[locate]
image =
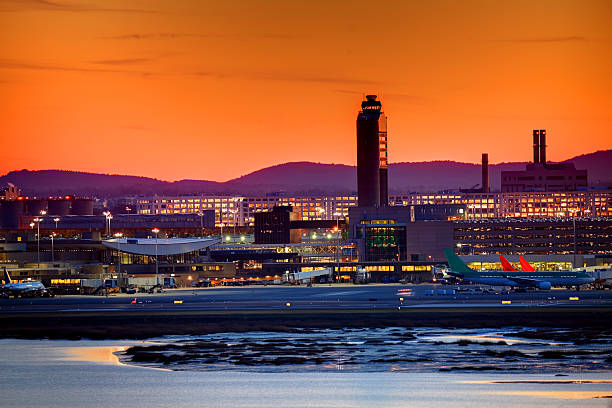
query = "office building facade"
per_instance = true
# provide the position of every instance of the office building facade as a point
(478, 205)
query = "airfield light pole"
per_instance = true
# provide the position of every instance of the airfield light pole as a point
(573, 212)
(574, 222)
(37, 220)
(320, 211)
(337, 215)
(106, 214)
(156, 232)
(234, 212)
(56, 220)
(118, 235)
(221, 222)
(201, 214)
(52, 250)
(109, 217)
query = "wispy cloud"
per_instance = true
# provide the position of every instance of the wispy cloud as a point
(573, 38)
(35, 5)
(9, 64)
(414, 99)
(116, 66)
(307, 78)
(146, 36)
(18, 65)
(124, 61)
(283, 76)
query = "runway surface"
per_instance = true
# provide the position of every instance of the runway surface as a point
(336, 297)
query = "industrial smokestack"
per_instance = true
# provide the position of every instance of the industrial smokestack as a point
(485, 172)
(536, 146)
(543, 146)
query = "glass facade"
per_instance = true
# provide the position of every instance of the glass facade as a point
(534, 236)
(385, 242)
(238, 210)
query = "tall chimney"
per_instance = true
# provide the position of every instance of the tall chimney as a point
(543, 146)
(485, 172)
(536, 146)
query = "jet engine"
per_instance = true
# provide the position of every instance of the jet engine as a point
(544, 285)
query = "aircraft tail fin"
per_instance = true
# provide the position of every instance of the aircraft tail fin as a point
(7, 277)
(456, 264)
(525, 265)
(506, 266)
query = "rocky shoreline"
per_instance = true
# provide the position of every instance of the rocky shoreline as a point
(384, 349)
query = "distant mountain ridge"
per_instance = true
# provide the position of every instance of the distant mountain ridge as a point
(292, 178)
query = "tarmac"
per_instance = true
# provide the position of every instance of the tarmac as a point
(289, 308)
(318, 297)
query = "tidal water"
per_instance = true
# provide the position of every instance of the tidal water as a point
(523, 350)
(523, 367)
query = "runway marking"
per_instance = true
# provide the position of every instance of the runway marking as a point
(89, 310)
(345, 293)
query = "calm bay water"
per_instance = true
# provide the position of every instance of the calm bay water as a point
(50, 373)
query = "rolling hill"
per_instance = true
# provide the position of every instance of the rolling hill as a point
(293, 178)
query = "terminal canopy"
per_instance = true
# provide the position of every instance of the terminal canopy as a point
(165, 246)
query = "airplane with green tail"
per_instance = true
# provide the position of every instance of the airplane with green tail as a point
(537, 279)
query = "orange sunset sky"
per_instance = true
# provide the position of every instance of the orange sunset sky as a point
(177, 89)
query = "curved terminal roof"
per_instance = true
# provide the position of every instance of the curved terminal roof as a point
(165, 246)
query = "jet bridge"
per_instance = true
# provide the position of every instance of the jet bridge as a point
(297, 277)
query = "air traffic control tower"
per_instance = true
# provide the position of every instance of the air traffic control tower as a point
(372, 184)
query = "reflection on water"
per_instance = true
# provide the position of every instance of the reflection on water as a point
(82, 374)
(95, 354)
(559, 395)
(552, 382)
(375, 350)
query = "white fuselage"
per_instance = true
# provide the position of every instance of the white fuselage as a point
(495, 278)
(23, 288)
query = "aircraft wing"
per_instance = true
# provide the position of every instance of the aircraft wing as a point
(525, 281)
(28, 289)
(531, 283)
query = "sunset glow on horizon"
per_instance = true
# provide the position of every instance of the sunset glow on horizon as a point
(215, 90)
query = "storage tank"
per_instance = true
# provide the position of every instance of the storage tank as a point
(11, 211)
(35, 206)
(82, 206)
(59, 207)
